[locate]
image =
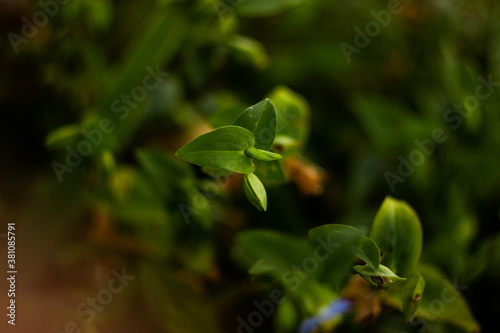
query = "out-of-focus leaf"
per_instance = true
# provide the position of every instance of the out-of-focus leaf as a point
(260, 119)
(63, 136)
(383, 277)
(442, 301)
(485, 260)
(223, 148)
(413, 290)
(255, 191)
(369, 252)
(108, 161)
(276, 250)
(397, 231)
(293, 111)
(265, 8)
(287, 316)
(225, 115)
(337, 230)
(228, 108)
(249, 50)
(339, 247)
(260, 267)
(314, 297)
(270, 172)
(407, 296)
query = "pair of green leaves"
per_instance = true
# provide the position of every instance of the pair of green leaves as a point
(396, 234)
(397, 230)
(419, 290)
(235, 148)
(376, 274)
(353, 244)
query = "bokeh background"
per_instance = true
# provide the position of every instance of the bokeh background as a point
(131, 204)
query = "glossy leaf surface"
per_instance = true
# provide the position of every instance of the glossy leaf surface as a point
(223, 148)
(255, 191)
(260, 119)
(397, 231)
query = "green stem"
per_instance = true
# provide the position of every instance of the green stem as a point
(261, 155)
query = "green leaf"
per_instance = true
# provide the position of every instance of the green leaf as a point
(340, 243)
(107, 161)
(314, 297)
(383, 277)
(63, 136)
(260, 119)
(397, 231)
(262, 155)
(223, 148)
(369, 252)
(442, 301)
(294, 115)
(413, 290)
(278, 250)
(287, 315)
(270, 172)
(255, 191)
(249, 51)
(265, 7)
(225, 114)
(262, 272)
(260, 267)
(338, 229)
(406, 296)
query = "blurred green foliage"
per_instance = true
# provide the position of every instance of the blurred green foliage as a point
(98, 97)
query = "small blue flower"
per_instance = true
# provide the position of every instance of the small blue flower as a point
(332, 311)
